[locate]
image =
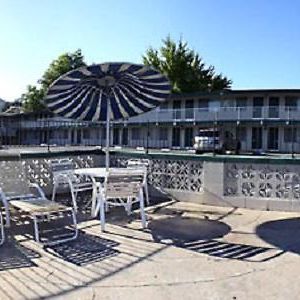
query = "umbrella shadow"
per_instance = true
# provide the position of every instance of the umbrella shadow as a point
(201, 236)
(281, 234)
(14, 255)
(86, 249)
(178, 230)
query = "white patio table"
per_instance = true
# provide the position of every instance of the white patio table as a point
(98, 176)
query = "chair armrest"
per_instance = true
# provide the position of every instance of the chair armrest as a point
(39, 189)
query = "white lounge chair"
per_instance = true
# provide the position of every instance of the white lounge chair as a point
(121, 188)
(63, 174)
(29, 198)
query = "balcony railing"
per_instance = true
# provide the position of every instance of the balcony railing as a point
(246, 113)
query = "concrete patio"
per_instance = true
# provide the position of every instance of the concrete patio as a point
(189, 251)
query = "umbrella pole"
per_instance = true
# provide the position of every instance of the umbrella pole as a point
(107, 135)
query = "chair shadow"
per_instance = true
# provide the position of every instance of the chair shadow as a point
(282, 234)
(86, 249)
(200, 235)
(14, 255)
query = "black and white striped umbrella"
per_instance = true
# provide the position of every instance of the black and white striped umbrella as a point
(129, 89)
(108, 91)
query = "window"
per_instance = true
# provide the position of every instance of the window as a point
(241, 102)
(291, 103)
(203, 103)
(189, 109)
(214, 105)
(177, 104)
(163, 134)
(164, 105)
(228, 104)
(136, 133)
(290, 135)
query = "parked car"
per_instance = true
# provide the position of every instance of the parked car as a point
(207, 140)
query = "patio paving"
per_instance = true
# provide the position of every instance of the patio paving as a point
(189, 251)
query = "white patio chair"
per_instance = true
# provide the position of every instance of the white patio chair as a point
(141, 164)
(63, 174)
(16, 193)
(121, 188)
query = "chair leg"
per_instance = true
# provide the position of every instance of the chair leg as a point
(72, 195)
(94, 200)
(54, 191)
(142, 209)
(2, 239)
(106, 207)
(4, 201)
(146, 193)
(36, 229)
(7, 216)
(102, 213)
(59, 241)
(128, 206)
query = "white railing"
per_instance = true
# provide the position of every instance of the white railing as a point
(218, 114)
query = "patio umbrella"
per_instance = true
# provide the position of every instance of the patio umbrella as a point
(105, 92)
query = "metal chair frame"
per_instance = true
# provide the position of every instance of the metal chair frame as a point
(141, 164)
(121, 188)
(36, 205)
(63, 174)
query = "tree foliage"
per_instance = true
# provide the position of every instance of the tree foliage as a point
(32, 99)
(64, 63)
(184, 68)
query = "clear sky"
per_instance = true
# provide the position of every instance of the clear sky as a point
(256, 43)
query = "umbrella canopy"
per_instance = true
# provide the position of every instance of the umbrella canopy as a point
(108, 91)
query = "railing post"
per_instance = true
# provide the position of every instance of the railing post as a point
(214, 139)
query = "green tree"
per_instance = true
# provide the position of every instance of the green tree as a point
(184, 68)
(64, 63)
(32, 99)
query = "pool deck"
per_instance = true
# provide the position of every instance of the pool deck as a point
(189, 251)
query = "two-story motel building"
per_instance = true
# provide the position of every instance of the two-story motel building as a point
(267, 120)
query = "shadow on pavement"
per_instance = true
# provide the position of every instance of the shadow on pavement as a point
(179, 230)
(84, 250)
(200, 235)
(14, 255)
(283, 234)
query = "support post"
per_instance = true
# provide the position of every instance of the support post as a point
(107, 135)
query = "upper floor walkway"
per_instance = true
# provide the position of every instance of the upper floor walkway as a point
(247, 113)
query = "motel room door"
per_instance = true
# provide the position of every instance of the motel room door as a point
(256, 138)
(176, 137)
(188, 137)
(273, 138)
(258, 103)
(125, 136)
(116, 136)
